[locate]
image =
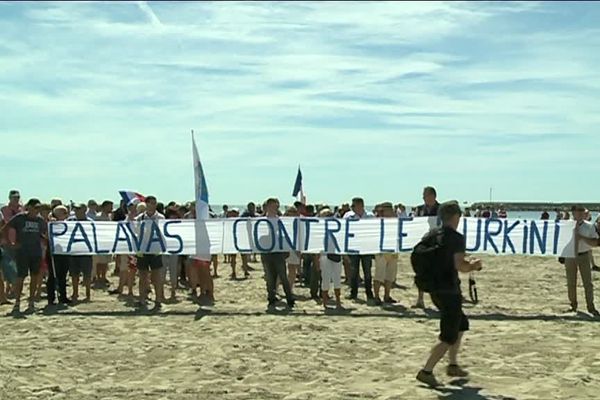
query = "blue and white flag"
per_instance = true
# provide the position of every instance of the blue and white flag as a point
(202, 214)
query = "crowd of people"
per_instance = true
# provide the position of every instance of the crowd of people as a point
(25, 252)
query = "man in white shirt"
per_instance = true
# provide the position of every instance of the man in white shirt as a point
(101, 261)
(92, 209)
(581, 260)
(359, 212)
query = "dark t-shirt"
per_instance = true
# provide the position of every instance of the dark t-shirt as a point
(119, 214)
(29, 234)
(424, 211)
(248, 214)
(447, 277)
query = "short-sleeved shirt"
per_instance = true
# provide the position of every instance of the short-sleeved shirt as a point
(7, 214)
(424, 211)
(102, 217)
(29, 232)
(447, 280)
(155, 217)
(354, 215)
(587, 230)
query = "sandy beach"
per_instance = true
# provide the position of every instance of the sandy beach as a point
(522, 345)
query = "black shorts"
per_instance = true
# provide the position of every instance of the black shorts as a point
(452, 319)
(149, 262)
(81, 265)
(26, 263)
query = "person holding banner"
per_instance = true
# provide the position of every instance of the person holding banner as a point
(59, 267)
(30, 230)
(330, 265)
(150, 264)
(581, 260)
(386, 264)
(293, 261)
(274, 262)
(446, 295)
(359, 212)
(81, 264)
(101, 262)
(428, 209)
(127, 263)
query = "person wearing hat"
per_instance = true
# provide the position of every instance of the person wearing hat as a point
(581, 261)
(450, 260)
(30, 230)
(81, 264)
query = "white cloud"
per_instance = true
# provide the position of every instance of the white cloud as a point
(274, 84)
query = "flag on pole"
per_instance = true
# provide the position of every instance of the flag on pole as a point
(202, 214)
(298, 191)
(131, 197)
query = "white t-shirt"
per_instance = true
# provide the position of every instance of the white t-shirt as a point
(354, 215)
(155, 217)
(588, 230)
(102, 217)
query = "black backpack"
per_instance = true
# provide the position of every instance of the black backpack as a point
(425, 258)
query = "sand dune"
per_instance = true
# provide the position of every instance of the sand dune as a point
(522, 345)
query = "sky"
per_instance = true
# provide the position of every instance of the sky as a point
(372, 99)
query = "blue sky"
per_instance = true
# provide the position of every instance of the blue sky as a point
(372, 99)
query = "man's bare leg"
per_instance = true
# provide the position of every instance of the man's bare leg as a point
(387, 291)
(159, 287)
(453, 351)
(143, 286)
(325, 294)
(87, 282)
(215, 262)
(33, 289)
(233, 262)
(292, 271)
(338, 301)
(3, 298)
(420, 302)
(18, 290)
(194, 282)
(75, 283)
(437, 352)
(376, 288)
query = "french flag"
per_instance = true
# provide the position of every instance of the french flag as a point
(298, 191)
(130, 197)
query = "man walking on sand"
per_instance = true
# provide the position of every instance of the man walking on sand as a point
(450, 258)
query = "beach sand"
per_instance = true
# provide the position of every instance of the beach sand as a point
(522, 345)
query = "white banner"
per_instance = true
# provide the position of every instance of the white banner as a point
(308, 235)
